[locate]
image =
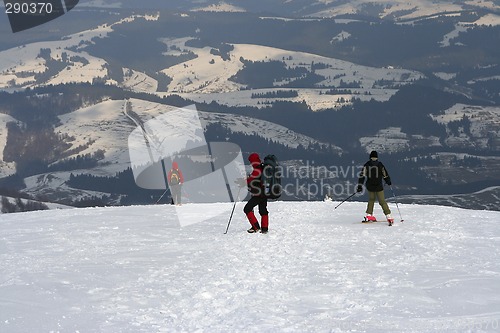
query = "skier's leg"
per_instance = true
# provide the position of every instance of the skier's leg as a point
(175, 194)
(264, 214)
(383, 203)
(248, 210)
(179, 195)
(371, 202)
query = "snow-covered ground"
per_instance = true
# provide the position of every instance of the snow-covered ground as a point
(19, 65)
(220, 7)
(101, 126)
(400, 9)
(484, 124)
(210, 74)
(392, 139)
(133, 269)
(114, 128)
(106, 127)
(487, 198)
(489, 19)
(316, 99)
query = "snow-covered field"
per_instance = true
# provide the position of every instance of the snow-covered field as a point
(402, 10)
(16, 63)
(114, 128)
(133, 269)
(207, 77)
(398, 9)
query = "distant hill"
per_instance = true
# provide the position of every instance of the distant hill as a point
(318, 83)
(387, 9)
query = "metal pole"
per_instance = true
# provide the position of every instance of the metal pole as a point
(162, 195)
(232, 212)
(346, 200)
(396, 200)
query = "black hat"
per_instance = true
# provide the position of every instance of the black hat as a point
(373, 154)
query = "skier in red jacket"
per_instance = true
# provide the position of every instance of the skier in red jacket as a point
(175, 180)
(258, 198)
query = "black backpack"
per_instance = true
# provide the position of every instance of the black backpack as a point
(271, 177)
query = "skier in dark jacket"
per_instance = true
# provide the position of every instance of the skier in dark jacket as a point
(175, 180)
(375, 172)
(257, 197)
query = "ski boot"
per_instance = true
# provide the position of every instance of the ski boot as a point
(255, 228)
(390, 219)
(370, 218)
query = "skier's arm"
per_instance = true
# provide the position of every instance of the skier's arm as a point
(253, 181)
(386, 176)
(254, 175)
(362, 176)
(361, 180)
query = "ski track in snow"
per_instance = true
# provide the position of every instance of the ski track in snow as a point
(133, 269)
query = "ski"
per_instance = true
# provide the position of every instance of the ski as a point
(367, 222)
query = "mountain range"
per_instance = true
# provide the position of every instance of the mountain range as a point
(318, 83)
(387, 9)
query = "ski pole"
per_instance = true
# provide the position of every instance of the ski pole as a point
(396, 200)
(345, 200)
(161, 196)
(234, 206)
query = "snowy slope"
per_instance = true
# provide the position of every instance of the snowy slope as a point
(132, 269)
(206, 77)
(20, 65)
(387, 9)
(106, 127)
(101, 126)
(487, 198)
(48, 205)
(484, 124)
(220, 7)
(392, 139)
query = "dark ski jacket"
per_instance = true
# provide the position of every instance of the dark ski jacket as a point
(374, 172)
